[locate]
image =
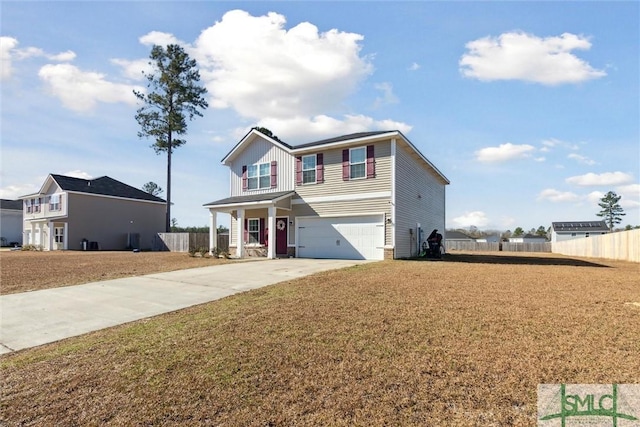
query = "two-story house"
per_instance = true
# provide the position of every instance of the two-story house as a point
(369, 195)
(100, 213)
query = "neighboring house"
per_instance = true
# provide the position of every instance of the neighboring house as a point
(369, 195)
(489, 239)
(528, 238)
(575, 229)
(457, 236)
(11, 222)
(102, 212)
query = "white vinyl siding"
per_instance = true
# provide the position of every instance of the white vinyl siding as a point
(420, 198)
(333, 182)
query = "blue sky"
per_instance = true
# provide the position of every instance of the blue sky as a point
(531, 109)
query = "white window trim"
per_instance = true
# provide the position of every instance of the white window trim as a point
(364, 162)
(315, 168)
(58, 233)
(249, 242)
(258, 176)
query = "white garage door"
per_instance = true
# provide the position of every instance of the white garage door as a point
(359, 237)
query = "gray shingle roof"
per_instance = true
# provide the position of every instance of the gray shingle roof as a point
(252, 198)
(582, 226)
(104, 186)
(341, 138)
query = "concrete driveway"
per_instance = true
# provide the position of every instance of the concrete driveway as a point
(34, 318)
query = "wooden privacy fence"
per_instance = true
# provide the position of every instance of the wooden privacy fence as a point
(471, 246)
(185, 242)
(495, 247)
(623, 245)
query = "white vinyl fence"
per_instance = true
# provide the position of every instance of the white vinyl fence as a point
(623, 245)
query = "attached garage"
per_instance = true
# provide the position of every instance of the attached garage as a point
(347, 237)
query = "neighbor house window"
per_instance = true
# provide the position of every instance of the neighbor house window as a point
(54, 202)
(253, 228)
(58, 234)
(357, 162)
(259, 176)
(28, 205)
(36, 205)
(309, 169)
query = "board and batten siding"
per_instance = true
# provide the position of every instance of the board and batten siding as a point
(262, 151)
(420, 198)
(336, 197)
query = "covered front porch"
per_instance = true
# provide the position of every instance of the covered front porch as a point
(260, 224)
(48, 235)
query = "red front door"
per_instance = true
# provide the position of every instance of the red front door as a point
(282, 225)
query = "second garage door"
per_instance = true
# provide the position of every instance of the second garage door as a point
(360, 237)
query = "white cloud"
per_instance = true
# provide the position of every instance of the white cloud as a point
(303, 129)
(266, 72)
(81, 90)
(558, 196)
(133, 69)
(581, 159)
(521, 56)
(603, 179)
(63, 56)
(159, 38)
(475, 218)
(9, 52)
(7, 44)
(414, 67)
(388, 97)
(503, 153)
(594, 197)
(78, 174)
(12, 192)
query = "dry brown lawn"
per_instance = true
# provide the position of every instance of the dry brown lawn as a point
(462, 342)
(27, 271)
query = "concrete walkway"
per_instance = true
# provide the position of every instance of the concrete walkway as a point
(34, 318)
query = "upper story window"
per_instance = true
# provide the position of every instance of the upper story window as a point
(36, 204)
(358, 163)
(259, 176)
(309, 169)
(54, 203)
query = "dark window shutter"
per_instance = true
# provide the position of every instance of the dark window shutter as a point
(263, 232)
(246, 230)
(345, 165)
(371, 162)
(299, 170)
(319, 167)
(274, 174)
(244, 180)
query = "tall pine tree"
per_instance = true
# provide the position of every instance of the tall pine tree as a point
(611, 212)
(174, 94)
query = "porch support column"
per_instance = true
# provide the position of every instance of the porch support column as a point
(240, 236)
(51, 236)
(65, 237)
(213, 231)
(271, 252)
